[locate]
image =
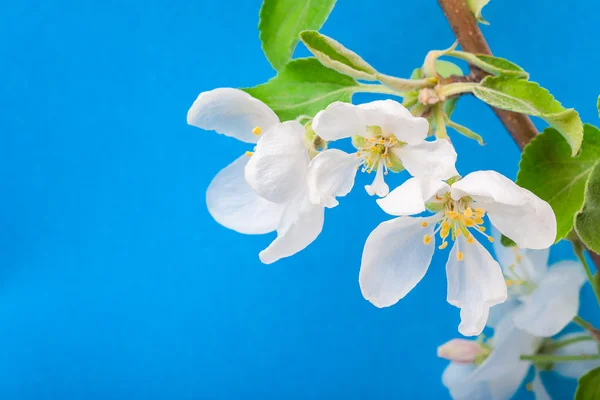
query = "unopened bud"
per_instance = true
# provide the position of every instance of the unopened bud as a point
(461, 351)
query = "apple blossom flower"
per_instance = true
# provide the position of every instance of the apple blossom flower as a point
(398, 252)
(229, 199)
(500, 373)
(387, 137)
(253, 194)
(544, 299)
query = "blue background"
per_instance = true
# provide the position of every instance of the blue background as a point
(115, 283)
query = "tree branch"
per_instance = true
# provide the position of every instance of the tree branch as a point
(465, 28)
(471, 39)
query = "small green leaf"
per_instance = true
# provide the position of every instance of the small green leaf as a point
(304, 87)
(548, 170)
(446, 69)
(589, 386)
(491, 64)
(476, 6)
(507, 242)
(282, 20)
(587, 221)
(334, 55)
(513, 94)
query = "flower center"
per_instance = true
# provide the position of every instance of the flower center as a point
(517, 277)
(457, 218)
(375, 150)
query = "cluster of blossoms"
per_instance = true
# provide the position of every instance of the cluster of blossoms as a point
(286, 183)
(541, 302)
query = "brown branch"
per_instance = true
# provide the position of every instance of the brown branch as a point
(465, 28)
(471, 39)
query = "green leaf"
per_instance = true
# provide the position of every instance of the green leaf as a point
(304, 87)
(463, 130)
(476, 6)
(589, 386)
(491, 64)
(507, 242)
(509, 93)
(548, 170)
(334, 55)
(282, 20)
(446, 69)
(587, 221)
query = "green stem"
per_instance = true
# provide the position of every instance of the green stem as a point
(381, 89)
(579, 251)
(581, 322)
(562, 343)
(549, 358)
(457, 88)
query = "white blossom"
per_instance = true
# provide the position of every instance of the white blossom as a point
(387, 136)
(398, 252)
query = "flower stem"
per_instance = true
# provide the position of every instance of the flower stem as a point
(581, 322)
(381, 89)
(561, 343)
(579, 251)
(550, 358)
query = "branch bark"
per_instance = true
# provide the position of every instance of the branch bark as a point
(465, 28)
(471, 39)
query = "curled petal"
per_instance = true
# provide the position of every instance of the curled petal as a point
(410, 197)
(378, 187)
(231, 112)
(301, 224)
(339, 120)
(433, 160)
(516, 212)
(554, 303)
(277, 169)
(475, 283)
(575, 369)
(233, 204)
(394, 119)
(330, 175)
(395, 259)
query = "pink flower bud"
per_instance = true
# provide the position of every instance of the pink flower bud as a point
(461, 351)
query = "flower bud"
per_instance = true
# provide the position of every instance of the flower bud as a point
(461, 351)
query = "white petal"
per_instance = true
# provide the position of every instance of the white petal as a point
(433, 160)
(575, 369)
(474, 284)
(454, 378)
(499, 311)
(538, 387)
(233, 204)
(410, 197)
(277, 169)
(394, 118)
(330, 175)
(394, 260)
(554, 303)
(504, 386)
(231, 112)
(301, 224)
(339, 120)
(378, 187)
(516, 212)
(527, 264)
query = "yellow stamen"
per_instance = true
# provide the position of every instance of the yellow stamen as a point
(424, 224)
(443, 246)
(249, 153)
(383, 155)
(389, 163)
(491, 239)
(470, 240)
(478, 220)
(469, 222)
(257, 130)
(510, 282)
(468, 212)
(481, 229)
(479, 212)
(453, 215)
(427, 239)
(460, 255)
(444, 232)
